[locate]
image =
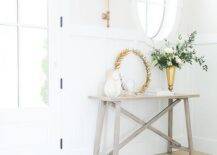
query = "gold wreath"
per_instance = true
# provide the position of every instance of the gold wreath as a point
(138, 53)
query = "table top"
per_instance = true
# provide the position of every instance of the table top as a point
(145, 96)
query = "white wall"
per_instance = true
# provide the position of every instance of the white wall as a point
(200, 15)
(88, 50)
(87, 42)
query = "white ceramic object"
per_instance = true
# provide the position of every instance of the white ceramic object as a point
(112, 88)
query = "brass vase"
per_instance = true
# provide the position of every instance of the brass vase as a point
(170, 71)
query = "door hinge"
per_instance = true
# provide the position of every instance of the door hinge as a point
(61, 21)
(61, 143)
(61, 83)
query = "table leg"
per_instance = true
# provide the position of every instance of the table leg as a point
(117, 128)
(99, 127)
(188, 125)
(170, 126)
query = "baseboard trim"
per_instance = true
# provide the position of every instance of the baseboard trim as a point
(205, 145)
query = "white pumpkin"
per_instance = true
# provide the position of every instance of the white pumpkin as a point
(112, 88)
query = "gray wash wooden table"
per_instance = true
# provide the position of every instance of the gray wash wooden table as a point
(116, 104)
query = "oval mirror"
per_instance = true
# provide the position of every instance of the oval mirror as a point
(134, 70)
(157, 17)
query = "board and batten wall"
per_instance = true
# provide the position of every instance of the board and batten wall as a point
(88, 50)
(200, 15)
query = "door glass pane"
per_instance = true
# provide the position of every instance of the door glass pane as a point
(33, 67)
(8, 67)
(8, 11)
(33, 12)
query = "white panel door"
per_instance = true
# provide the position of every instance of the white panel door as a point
(29, 79)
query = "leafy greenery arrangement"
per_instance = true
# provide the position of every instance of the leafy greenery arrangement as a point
(179, 54)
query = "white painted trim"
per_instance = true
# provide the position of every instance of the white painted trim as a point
(98, 32)
(24, 25)
(205, 145)
(204, 39)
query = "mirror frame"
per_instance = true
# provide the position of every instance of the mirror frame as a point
(138, 53)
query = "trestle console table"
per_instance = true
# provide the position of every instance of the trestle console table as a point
(116, 104)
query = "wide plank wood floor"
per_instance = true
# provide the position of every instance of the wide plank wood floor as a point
(184, 153)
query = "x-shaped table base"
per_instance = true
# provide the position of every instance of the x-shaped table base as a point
(144, 125)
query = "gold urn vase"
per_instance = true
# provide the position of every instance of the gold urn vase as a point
(170, 71)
